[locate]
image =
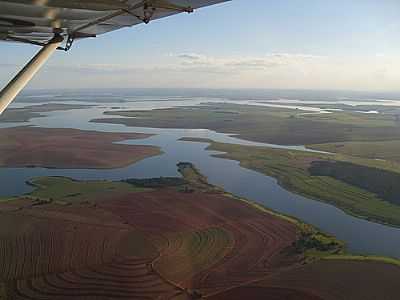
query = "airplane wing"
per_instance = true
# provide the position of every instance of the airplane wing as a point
(36, 21)
(55, 24)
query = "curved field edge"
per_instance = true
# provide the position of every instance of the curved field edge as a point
(295, 179)
(314, 243)
(323, 238)
(364, 258)
(317, 252)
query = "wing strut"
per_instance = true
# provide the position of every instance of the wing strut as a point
(8, 94)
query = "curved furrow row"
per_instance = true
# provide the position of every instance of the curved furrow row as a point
(57, 250)
(256, 249)
(96, 278)
(274, 242)
(195, 252)
(101, 282)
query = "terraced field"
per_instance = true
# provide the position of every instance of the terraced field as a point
(125, 278)
(198, 232)
(191, 253)
(187, 240)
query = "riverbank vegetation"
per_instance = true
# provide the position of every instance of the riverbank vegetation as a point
(292, 170)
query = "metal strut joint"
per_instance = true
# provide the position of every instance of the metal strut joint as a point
(68, 44)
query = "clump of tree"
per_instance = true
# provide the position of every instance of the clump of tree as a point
(317, 242)
(157, 182)
(41, 201)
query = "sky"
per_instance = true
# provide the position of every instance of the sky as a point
(285, 44)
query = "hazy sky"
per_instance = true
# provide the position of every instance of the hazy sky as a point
(313, 44)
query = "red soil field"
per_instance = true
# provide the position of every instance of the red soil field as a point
(260, 293)
(123, 248)
(127, 278)
(259, 239)
(69, 148)
(342, 280)
(168, 244)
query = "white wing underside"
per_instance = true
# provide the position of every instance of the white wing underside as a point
(37, 21)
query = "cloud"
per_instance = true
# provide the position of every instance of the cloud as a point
(191, 56)
(268, 61)
(94, 68)
(256, 63)
(273, 60)
(186, 63)
(119, 69)
(271, 70)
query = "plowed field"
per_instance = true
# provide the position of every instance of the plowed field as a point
(115, 240)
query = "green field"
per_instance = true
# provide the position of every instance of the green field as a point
(382, 150)
(266, 124)
(384, 184)
(291, 168)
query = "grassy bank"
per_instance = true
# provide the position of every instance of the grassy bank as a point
(365, 258)
(316, 244)
(382, 150)
(312, 242)
(291, 169)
